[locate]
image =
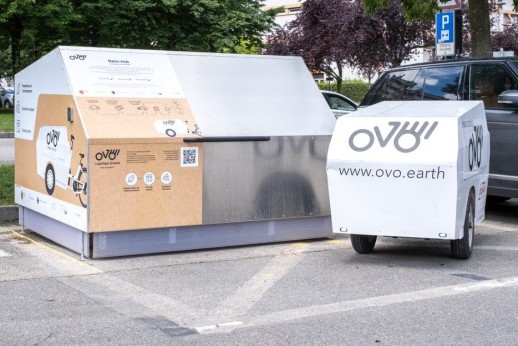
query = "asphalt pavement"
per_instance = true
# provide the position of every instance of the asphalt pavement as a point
(407, 292)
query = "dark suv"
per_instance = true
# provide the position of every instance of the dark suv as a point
(493, 81)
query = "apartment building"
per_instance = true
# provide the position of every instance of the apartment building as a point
(503, 14)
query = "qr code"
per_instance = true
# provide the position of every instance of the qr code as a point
(189, 157)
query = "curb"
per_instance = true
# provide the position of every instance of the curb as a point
(6, 134)
(8, 213)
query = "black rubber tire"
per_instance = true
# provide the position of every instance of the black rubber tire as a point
(462, 248)
(363, 243)
(8, 104)
(82, 196)
(50, 179)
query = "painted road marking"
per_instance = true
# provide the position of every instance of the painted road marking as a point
(62, 263)
(224, 327)
(142, 304)
(117, 294)
(4, 254)
(134, 301)
(245, 297)
(373, 302)
(496, 248)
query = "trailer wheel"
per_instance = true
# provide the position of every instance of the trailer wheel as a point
(363, 243)
(462, 248)
(50, 179)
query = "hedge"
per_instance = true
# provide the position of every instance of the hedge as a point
(6, 185)
(6, 122)
(6, 111)
(353, 89)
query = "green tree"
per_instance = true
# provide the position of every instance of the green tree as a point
(188, 25)
(478, 19)
(29, 28)
(105, 23)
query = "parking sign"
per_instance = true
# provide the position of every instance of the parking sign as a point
(445, 33)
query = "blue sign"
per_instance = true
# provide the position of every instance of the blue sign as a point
(445, 27)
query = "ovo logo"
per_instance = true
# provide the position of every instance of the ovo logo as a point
(110, 154)
(53, 138)
(77, 56)
(405, 139)
(475, 147)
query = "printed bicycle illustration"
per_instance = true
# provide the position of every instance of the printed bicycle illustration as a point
(54, 157)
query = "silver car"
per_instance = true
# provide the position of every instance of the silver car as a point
(6, 97)
(339, 104)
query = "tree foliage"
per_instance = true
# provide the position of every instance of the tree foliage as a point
(30, 28)
(507, 39)
(479, 22)
(330, 34)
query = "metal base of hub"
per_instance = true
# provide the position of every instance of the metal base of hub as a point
(124, 243)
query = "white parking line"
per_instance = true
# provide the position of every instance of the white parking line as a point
(496, 248)
(120, 295)
(380, 301)
(132, 300)
(241, 301)
(4, 254)
(58, 263)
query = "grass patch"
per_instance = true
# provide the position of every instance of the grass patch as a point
(6, 121)
(7, 185)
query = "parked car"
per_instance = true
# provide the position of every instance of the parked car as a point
(7, 97)
(338, 103)
(493, 81)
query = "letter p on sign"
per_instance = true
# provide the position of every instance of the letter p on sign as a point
(445, 21)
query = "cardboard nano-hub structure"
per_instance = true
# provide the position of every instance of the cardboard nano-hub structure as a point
(408, 168)
(122, 152)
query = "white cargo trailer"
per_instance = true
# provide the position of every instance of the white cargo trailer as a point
(410, 169)
(155, 151)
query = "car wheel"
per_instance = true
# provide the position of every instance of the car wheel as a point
(462, 248)
(363, 243)
(50, 179)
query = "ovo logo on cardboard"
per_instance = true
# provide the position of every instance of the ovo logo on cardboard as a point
(404, 139)
(110, 154)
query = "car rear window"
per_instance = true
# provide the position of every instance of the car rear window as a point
(427, 83)
(392, 86)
